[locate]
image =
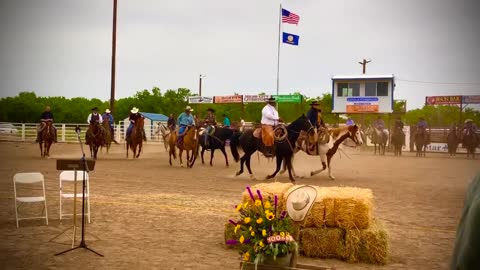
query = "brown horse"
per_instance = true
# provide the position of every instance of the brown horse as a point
(136, 138)
(190, 145)
(171, 141)
(108, 135)
(47, 135)
(95, 137)
(422, 139)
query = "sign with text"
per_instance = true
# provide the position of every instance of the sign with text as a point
(228, 99)
(443, 100)
(255, 98)
(198, 100)
(471, 99)
(362, 105)
(288, 98)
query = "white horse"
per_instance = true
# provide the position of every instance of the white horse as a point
(165, 133)
(327, 145)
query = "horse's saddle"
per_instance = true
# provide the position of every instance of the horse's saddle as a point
(257, 133)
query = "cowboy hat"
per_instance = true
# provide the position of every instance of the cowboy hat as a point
(188, 108)
(300, 201)
(108, 111)
(95, 109)
(314, 103)
(210, 109)
(271, 99)
(134, 110)
(468, 120)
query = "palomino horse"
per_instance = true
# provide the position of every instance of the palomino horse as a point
(398, 140)
(284, 146)
(190, 145)
(108, 135)
(380, 137)
(47, 135)
(95, 137)
(470, 141)
(453, 139)
(422, 139)
(216, 141)
(171, 140)
(165, 133)
(136, 138)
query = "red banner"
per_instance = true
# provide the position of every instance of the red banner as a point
(443, 100)
(228, 99)
(362, 108)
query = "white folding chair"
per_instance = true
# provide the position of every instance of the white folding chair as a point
(29, 178)
(69, 176)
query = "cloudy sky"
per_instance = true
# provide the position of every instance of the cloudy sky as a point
(63, 47)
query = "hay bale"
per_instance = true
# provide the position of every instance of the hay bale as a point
(368, 245)
(269, 190)
(322, 242)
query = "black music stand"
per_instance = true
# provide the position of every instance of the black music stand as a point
(78, 165)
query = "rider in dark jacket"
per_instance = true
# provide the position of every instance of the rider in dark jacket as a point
(47, 115)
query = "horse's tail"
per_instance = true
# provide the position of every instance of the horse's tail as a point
(234, 142)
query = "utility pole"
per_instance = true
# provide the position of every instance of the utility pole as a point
(364, 64)
(114, 52)
(200, 85)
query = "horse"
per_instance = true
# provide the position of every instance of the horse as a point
(171, 140)
(216, 141)
(47, 136)
(380, 137)
(422, 139)
(470, 141)
(398, 140)
(95, 137)
(108, 135)
(284, 146)
(136, 138)
(453, 139)
(165, 133)
(190, 145)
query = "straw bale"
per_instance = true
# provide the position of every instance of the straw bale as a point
(368, 245)
(322, 242)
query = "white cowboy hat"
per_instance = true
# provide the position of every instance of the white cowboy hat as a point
(134, 110)
(300, 201)
(188, 108)
(108, 111)
(468, 120)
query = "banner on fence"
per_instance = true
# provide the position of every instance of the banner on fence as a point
(198, 100)
(288, 98)
(228, 99)
(255, 98)
(471, 99)
(443, 100)
(362, 105)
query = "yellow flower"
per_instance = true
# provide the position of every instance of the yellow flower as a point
(252, 233)
(260, 220)
(245, 205)
(239, 207)
(246, 256)
(270, 216)
(282, 234)
(247, 220)
(261, 244)
(287, 234)
(258, 203)
(242, 239)
(236, 229)
(267, 212)
(250, 229)
(264, 233)
(267, 204)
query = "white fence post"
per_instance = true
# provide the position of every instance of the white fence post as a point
(63, 132)
(23, 132)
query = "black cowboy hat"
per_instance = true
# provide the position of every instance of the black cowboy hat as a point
(95, 109)
(211, 110)
(271, 99)
(314, 103)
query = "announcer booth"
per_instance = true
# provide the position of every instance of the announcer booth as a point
(363, 94)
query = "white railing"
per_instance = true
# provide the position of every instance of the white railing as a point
(27, 132)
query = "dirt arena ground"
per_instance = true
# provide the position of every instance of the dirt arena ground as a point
(148, 215)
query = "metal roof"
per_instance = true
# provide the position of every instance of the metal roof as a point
(361, 76)
(155, 116)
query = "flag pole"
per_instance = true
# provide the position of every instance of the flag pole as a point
(278, 56)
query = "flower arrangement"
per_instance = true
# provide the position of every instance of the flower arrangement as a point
(261, 231)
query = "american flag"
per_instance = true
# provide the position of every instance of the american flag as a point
(289, 17)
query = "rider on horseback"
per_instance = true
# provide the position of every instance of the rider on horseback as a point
(315, 115)
(185, 119)
(171, 123)
(469, 127)
(379, 123)
(399, 128)
(108, 116)
(47, 115)
(350, 122)
(134, 116)
(95, 117)
(210, 123)
(270, 119)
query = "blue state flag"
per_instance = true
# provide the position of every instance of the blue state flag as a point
(290, 39)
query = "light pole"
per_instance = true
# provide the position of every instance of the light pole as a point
(114, 50)
(364, 64)
(200, 85)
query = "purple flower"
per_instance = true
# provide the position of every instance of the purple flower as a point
(232, 222)
(251, 194)
(284, 213)
(276, 202)
(247, 241)
(259, 195)
(232, 242)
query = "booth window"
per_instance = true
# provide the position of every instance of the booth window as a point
(348, 89)
(373, 89)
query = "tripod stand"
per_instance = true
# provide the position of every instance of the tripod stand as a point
(84, 166)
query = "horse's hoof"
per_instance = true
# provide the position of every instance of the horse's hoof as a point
(312, 173)
(238, 173)
(282, 172)
(332, 177)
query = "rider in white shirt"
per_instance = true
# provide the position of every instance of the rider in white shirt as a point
(95, 116)
(270, 119)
